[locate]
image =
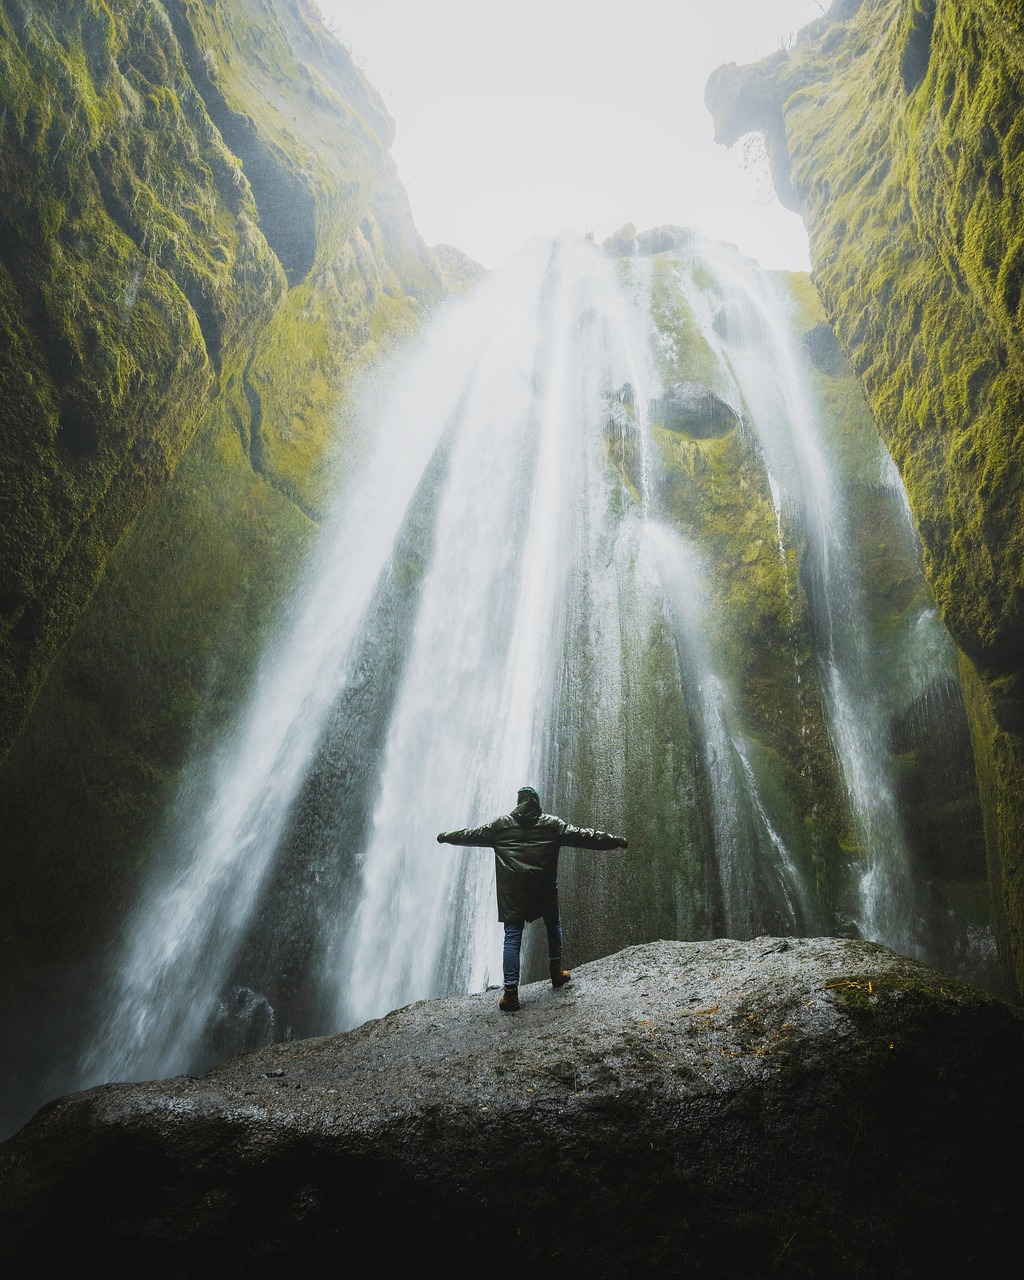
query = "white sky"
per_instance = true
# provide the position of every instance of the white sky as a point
(530, 117)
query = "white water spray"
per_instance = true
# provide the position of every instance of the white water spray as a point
(523, 516)
(744, 318)
(228, 822)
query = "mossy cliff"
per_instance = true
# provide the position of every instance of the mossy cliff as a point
(894, 127)
(201, 236)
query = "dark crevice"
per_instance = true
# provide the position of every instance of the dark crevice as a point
(257, 457)
(238, 422)
(255, 447)
(918, 48)
(198, 294)
(77, 430)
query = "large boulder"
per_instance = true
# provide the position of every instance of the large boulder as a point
(720, 1107)
(696, 411)
(621, 243)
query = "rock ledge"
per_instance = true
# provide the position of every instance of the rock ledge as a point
(716, 1106)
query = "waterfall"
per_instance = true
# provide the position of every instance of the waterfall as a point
(227, 825)
(497, 598)
(522, 515)
(745, 318)
(507, 402)
(762, 887)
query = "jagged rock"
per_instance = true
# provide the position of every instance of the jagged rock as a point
(713, 1107)
(662, 239)
(459, 272)
(695, 410)
(621, 243)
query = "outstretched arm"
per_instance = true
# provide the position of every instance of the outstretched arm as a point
(480, 836)
(590, 838)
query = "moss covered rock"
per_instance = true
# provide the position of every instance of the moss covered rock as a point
(202, 237)
(894, 126)
(695, 410)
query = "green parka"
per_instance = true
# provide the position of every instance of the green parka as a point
(526, 845)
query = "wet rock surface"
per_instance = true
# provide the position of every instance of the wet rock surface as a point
(822, 1106)
(694, 410)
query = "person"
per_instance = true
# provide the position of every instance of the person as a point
(526, 844)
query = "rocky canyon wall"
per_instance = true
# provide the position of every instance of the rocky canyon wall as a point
(202, 235)
(894, 128)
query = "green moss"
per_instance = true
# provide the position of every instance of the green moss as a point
(174, 404)
(999, 762)
(866, 999)
(123, 270)
(332, 325)
(683, 353)
(311, 132)
(901, 141)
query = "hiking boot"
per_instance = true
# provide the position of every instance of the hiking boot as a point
(559, 976)
(509, 1002)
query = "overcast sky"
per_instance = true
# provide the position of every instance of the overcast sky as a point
(539, 115)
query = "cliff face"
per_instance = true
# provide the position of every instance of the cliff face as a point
(201, 235)
(894, 127)
(680, 1108)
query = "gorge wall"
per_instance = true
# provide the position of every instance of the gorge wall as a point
(893, 127)
(201, 235)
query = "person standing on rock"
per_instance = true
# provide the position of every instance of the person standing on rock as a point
(526, 845)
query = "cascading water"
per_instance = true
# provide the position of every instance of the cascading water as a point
(524, 491)
(744, 317)
(500, 598)
(228, 823)
(761, 884)
(511, 389)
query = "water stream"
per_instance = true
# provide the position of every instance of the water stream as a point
(744, 317)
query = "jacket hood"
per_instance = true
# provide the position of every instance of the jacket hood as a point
(527, 811)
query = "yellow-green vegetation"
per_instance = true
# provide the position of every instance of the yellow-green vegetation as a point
(716, 491)
(911, 996)
(126, 233)
(895, 127)
(202, 237)
(999, 761)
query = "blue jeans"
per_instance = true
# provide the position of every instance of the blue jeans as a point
(514, 942)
